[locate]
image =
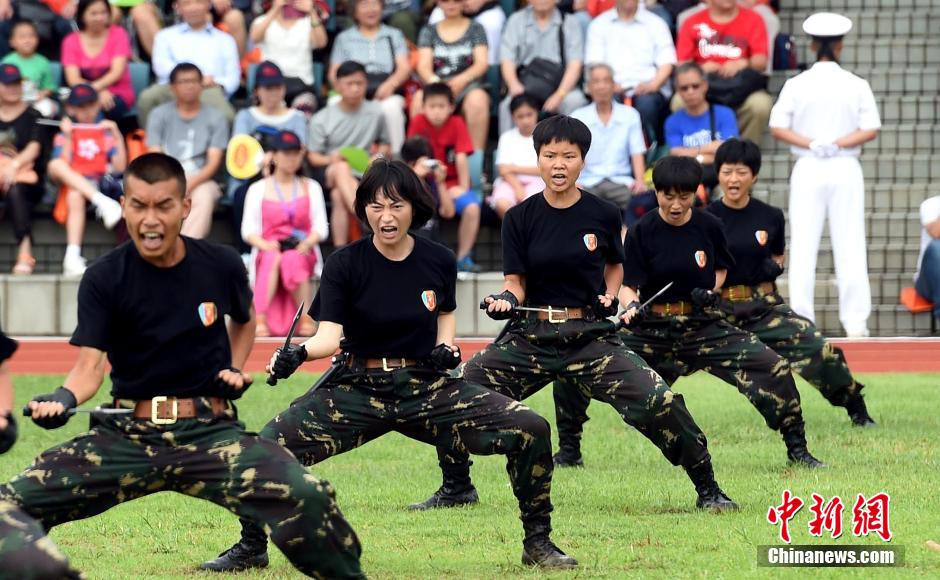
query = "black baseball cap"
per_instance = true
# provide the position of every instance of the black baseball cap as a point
(285, 141)
(9, 74)
(268, 74)
(82, 94)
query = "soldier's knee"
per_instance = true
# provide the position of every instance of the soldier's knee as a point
(534, 424)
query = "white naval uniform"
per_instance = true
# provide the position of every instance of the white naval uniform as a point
(827, 102)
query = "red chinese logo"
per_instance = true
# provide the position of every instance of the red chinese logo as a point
(783, 513)
(871, 516)
(826, 517)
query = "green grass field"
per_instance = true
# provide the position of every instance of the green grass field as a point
(627, 513)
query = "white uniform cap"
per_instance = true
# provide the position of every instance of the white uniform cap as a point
(823, 24)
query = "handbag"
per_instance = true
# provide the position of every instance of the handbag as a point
(732, 91)
(374, 80)
(541, 77)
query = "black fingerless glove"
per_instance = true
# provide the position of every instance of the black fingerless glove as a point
(508, 297)
(638, 317)
(8, 435)
(227, 391)
(771, 269)
(288, 360)
(445, 359)
(704, 298)
(601, 311)
(61, 395)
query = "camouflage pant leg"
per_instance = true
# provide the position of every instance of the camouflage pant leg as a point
(26, 553)
(741, 359)
(571, 404)
(217, 460)
(799, 341)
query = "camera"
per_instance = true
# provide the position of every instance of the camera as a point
(432, 163)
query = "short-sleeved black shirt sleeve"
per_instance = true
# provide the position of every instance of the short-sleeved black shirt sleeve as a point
(163, 328)
(20, 131)
(688, 255)
(562, 252)
(755, 233)
(388, 308)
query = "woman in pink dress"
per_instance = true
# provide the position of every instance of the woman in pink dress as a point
(284, 221)
(97, 55)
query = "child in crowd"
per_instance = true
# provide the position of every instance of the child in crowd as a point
(452, 146)
(516, 160)
(419, 155)
(87, 160)
(38, 85)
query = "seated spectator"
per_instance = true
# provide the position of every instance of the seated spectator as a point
(927, 279)
(287, 35)
(98, 55)
(418, 154)
(196, 135)
(20, 151)
(285, 221)
(487, 13)
(53, 20)
(231, 19)
(535, 34)
(638, 47)
(761, 7)
(352, 122)
(87, 160)
(615, 166)
(516, 159)
(455, 51)
(39, 88)
(382, 50)
(700, 128)
(196, 41)
(452, 146)
(730, 43)
(146, 18)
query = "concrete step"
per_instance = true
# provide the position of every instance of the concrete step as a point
(877, 168)
(885, 288)
(896, 109)
(878, 197)
(881, 52)
(872, 23)
(885, 320)
(904, 138)
(884, 81)
(877, 7)
(883, 258)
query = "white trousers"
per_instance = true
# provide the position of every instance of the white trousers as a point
(832, 188)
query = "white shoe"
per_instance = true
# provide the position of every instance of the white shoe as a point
(109, 211)
(73, 266)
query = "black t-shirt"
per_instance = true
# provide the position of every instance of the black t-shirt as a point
(388, 308)
(562, 252)
(688, 255)
(754, 233)
(15, 135)
(163, 328)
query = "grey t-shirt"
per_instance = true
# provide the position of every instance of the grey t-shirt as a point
(188, 140)
(376, 54)
(332, 128)
(452, 58)
(523, 40)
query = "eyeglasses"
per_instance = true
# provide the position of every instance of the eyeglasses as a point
(692, 87)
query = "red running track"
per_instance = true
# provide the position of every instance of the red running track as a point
(55, 356)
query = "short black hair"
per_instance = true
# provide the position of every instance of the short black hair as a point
(182, 68)
(562, 128)
(675, 174)
(439, 90)
(734, 151)
(29, 23)
(156, 167)
(83, 6)
(349, 68)
(688, 67)
(415, 148)
(398, 182)
(524, 99)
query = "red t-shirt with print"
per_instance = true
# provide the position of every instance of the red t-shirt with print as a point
(703, 40)
(447, 141)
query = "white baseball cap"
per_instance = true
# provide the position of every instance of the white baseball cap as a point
(827, 24)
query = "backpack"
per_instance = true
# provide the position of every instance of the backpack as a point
(784, 53)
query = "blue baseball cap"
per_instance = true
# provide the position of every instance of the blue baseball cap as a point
(82, 94)
(268, 74)
(285, 141)
(9, 74)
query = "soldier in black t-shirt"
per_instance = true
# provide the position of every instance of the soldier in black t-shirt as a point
(562, 255)
(756, 238)
(156, 308)
(388, 302)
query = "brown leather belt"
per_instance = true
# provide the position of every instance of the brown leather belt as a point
(166, 410)
(741, 293)
(384, 363)
(671, 308)
(558, 314)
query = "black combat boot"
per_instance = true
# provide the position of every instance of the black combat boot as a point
(538, 549)
(710, 496)
(569, 455)
(795, 438)
(456, 490)
(250, 552)
(858, 412)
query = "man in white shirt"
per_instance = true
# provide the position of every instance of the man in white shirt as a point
(927, 279)
(639, 49)
(825, 114)
(196, 41)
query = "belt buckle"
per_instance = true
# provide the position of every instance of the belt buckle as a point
(667, 309)
(731, 293)
(155, 404)
(551, 315)
(385, 364)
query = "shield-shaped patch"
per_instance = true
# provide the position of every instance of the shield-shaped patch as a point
(701, 259)
(208, 313)
(429, 298)
(590, 242)
(761, 236)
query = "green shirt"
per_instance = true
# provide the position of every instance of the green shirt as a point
(35, 68)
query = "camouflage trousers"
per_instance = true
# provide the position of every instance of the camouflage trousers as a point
(680, 345)
(592, 360)
(354, 407)
(122, 458)
(26, 553)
